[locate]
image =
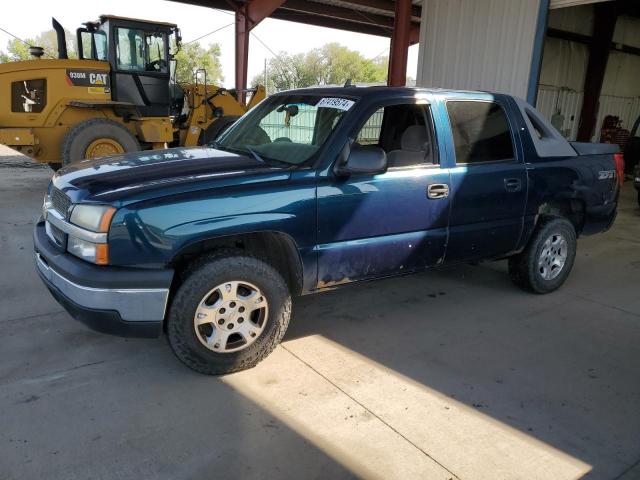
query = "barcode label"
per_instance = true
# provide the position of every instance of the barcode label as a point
(333, 102)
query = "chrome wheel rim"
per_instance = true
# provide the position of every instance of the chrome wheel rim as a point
(231, 316)
(553, 256)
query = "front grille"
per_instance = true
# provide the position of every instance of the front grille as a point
(60, 202)
(56, 235)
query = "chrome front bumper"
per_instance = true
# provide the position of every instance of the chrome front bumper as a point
(141, 305)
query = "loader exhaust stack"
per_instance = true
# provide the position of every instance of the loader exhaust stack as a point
(62, 41)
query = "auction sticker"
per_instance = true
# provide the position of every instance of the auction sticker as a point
(334, 102)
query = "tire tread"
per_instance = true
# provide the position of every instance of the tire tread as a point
(221, 262)
(72, 135)
(522, 267)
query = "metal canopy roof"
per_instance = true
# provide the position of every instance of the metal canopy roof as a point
(374, 17)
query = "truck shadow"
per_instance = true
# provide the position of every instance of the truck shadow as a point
(546, 366)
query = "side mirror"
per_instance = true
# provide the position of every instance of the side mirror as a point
(362, 161)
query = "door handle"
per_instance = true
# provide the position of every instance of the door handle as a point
(437, 190)
(512, 184)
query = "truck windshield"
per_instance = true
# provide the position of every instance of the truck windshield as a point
(286, 128)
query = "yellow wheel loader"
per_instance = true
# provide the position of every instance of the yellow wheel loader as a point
(118, 96)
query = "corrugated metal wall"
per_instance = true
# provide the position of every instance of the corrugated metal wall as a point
(626, 108)
(561, 101)
(576, 19)
(571, 3)
(477, 44)
(566, 102)
(563, 71)
(487, 45)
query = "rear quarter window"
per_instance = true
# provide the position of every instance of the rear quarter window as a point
(481, 132)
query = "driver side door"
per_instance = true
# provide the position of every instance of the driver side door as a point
(379, 225)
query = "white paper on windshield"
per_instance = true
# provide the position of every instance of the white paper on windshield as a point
(333, 102)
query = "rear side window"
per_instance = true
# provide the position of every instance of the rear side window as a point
(481, 132)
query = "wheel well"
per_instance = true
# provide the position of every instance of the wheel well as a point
(571, 209)
(277, 249)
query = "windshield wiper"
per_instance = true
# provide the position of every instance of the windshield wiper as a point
(266, 160)
(255, 154)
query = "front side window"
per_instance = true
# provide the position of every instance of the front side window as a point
(403, 131)
(93, 45)
(141, 51)
(100, 39)
(29, 96)
(286, 128)
(370, 132)
(481, 132)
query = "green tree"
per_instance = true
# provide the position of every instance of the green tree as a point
(49, 41)
(193, 57)
(328, 65)
(18, 51)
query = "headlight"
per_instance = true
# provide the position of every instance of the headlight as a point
(97, 253)
(96, 218)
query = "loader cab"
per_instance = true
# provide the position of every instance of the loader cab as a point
(138, 52)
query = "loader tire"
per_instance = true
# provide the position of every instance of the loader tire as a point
(216, 129)
(95, 138)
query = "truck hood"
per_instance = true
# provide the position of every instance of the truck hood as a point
(136, 176)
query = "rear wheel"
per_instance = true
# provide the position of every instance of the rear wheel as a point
(547, 261)
(95, 138)
(230, 312)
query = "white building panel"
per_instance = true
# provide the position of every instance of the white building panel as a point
(564, 64)
(627, 31)
(572, 3)
(576, 20)
(622, 76)
(477, 44)
(563, 103)
(626, 108)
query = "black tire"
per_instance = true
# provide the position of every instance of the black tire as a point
(638, 198)
(523, 268)
(216, 129)
(204, 275)
(80, 137)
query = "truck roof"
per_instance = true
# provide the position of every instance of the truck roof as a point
(374, 90)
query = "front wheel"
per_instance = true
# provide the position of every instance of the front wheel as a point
(96, 138)
(230, 312)
(547, 261)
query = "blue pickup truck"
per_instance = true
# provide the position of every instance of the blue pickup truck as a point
(311, 190)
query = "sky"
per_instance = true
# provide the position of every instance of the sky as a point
(194, 22)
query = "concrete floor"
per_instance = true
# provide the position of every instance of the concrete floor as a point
(447, 374)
